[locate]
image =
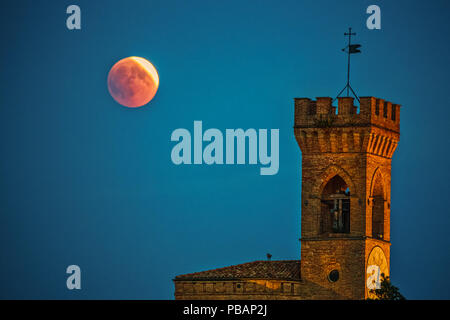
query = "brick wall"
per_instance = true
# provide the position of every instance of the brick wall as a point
(251, 289)
(358, 147)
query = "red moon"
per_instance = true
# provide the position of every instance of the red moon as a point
(133, 82)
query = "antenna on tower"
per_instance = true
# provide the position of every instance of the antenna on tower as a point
(350, 48)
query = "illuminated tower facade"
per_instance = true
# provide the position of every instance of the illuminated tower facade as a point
(346, 192)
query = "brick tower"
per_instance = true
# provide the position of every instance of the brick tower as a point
(346, 192)
(346, 196)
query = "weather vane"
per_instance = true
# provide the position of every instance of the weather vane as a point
(350, 48)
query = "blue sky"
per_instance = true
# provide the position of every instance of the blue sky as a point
(86, 181)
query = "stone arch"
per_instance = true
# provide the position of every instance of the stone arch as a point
(377, 265)
(334, 185)
(334, 193)
(377, 174)
(328, 174)
(378, 207)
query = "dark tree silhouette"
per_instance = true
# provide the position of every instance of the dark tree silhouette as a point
(387, 291)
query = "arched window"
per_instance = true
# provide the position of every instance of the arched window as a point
(335, 208)
(377, 207)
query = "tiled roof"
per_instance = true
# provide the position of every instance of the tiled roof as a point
(281, 270)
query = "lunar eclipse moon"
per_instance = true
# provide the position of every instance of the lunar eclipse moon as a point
(133, 82)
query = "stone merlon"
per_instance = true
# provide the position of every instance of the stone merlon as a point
(372, 112)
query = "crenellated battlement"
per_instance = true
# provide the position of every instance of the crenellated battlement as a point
(322, 127)
(321, 112)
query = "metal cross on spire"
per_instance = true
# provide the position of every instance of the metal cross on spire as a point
(350, 48)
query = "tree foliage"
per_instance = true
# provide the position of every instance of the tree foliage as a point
(387, 291)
